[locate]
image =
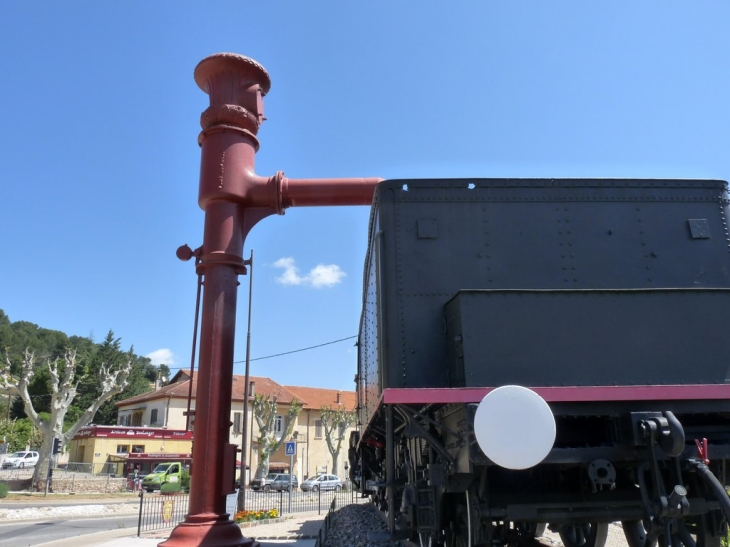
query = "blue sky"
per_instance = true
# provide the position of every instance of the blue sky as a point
(99, 160)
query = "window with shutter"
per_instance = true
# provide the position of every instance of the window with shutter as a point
(317, 429)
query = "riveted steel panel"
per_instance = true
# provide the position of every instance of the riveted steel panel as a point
(588, 337)
(529, 234)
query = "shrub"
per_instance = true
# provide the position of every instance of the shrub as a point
(4, 490)
(248, 516)
(185, 480)
(170, 487)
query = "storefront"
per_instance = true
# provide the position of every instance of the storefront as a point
(117, 450)
(278, 467)
(145, 463)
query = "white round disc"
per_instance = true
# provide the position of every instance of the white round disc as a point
(514, 427)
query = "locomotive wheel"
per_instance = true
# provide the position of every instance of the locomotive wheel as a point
(456, 533)
(703, 531)
(680, 537)
(530, 530)
(636, 535)
(697, 534)
(589, 534)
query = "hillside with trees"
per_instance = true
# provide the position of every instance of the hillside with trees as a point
(91, 359)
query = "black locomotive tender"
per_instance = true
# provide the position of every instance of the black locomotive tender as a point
(610, 299)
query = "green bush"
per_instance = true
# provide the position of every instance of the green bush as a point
(185, 480)
(4, 490)
(169, 487)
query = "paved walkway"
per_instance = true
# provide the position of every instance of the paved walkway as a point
(300, 531)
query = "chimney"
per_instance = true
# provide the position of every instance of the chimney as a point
(339, 398)
(252, 389)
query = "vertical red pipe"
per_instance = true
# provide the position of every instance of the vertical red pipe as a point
(228, 146)
(234, 199)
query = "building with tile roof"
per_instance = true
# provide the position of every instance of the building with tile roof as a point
(154, 425)
(316, 457)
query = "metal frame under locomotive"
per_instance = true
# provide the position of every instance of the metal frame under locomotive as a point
(649, 449)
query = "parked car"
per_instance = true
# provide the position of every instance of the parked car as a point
(275, 481)
(164, 472)
(322, 482)
(19, 460)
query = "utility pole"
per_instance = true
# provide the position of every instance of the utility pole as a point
(244, 430)
(55, 449)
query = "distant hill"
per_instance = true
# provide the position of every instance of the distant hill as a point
(17, 337)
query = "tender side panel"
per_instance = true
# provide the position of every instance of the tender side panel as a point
(588, 338)
(440, 237)
(369, 384)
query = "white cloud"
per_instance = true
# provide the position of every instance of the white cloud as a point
(325, 275)
(322, 275)
(162, 357)
(291, 272)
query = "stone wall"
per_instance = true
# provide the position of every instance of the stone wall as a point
(84, 483)
(15, 485)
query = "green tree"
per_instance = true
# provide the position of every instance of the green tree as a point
(64, 388)
(49, 347)
(160, 373)
(265, 410)
(109, 354)
(18, 433)
(137, 383)
(335, 422)
(15, 338)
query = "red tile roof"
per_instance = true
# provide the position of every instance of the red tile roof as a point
(316, 398)
(179, 389)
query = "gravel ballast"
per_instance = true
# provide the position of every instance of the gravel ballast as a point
(358, 525)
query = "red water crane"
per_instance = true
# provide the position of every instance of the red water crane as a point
(234, 199)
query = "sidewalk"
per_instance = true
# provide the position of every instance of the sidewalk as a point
(58, 500)
(300, 531)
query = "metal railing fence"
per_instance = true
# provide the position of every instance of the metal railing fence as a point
(158, 511)
(106, 468)
(296, 501)
(324, 531)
